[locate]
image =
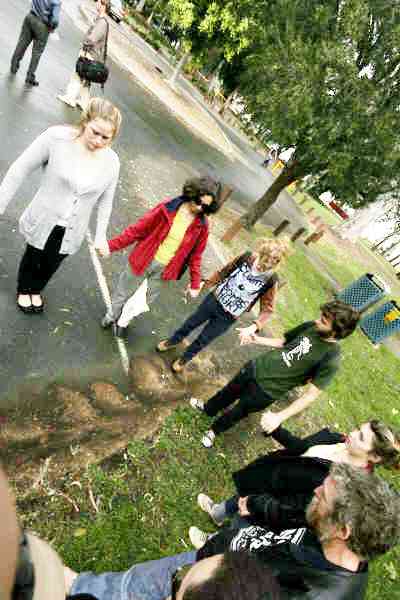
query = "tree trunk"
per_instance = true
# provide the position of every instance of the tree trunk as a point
(182, 62)
(140, 5)
(285, 178)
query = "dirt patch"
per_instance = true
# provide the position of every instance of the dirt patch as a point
(69, 429)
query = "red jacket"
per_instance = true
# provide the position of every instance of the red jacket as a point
(152, 229)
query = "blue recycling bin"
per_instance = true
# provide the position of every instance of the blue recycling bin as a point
(364, 292)
(382, 323)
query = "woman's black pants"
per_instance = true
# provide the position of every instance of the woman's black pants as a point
(38, 266)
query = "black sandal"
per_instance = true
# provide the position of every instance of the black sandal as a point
(25, 309)
(38, 309)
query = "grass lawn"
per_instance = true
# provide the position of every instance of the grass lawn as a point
(147, 495)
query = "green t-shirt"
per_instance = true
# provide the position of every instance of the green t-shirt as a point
(304, 357)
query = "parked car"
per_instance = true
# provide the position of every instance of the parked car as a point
(116, 11)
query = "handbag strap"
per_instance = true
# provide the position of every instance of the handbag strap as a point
(106, 41)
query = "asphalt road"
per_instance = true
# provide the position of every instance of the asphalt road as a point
(157, 154)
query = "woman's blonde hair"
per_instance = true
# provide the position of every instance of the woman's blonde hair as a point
(264, 248)
(99, 108)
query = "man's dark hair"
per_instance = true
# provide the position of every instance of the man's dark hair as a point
(196, 187)
(344, 317)
(386, 444)
(238, 576)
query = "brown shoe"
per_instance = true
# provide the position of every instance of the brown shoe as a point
(178, 366)
(164, 345)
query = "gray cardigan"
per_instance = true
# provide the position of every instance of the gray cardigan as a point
(72, 183)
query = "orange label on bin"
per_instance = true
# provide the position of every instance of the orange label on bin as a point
(392, 315)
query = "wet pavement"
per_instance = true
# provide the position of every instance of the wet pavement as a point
(157, 153)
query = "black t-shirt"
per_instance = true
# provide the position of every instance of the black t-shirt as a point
(296, 559)
(305, 356)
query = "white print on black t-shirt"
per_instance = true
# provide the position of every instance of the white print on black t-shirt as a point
(238, 291)
(255, 538)
(296, 353)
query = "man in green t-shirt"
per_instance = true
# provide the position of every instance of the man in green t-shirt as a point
(308, 354)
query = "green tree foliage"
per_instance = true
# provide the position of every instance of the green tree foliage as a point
(323, 76)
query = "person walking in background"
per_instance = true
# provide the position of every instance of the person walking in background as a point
(93, 47)
(237, 287)
(308, 354)
(79, 171)
(42, 19)
(168, 239)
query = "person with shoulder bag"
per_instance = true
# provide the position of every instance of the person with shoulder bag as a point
(91, 64)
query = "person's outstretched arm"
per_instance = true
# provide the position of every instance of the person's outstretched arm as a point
(271, 420)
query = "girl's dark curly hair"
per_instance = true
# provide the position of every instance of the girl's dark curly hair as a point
(196, 187)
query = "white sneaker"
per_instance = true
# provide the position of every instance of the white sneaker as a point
(66, 100)
(196, 403)
(208, 439)
(207, 505)
(198, 537)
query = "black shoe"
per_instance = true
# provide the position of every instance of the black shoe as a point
(38, 309)
(32, 81)
(119, 331)
(24, 309)
(13, 70)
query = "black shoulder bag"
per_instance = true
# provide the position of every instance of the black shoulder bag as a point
(94, 71)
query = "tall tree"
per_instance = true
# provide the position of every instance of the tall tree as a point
(324, 77)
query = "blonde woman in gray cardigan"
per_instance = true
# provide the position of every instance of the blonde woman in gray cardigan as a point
(79, 171)
(77, 93)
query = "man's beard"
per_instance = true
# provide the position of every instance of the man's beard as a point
(312, 516)
(321, 525)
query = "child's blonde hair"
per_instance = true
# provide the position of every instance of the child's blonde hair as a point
(266, 246)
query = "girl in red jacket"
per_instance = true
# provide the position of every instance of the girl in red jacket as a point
(168, 239)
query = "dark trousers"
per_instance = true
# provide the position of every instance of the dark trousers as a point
(218, 321)
(38, 266)
(244, 388)
(33, 30)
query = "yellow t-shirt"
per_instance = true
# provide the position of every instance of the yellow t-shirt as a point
(170, 245)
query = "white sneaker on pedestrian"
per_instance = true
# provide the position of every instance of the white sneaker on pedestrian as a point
(208, 439)
(197, 404)
(198, 537)
(207, 505)
(66, 100)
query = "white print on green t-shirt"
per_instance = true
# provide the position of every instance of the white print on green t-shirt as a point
(296, 353)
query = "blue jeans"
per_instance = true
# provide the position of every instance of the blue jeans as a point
(150, 580)
(226, 508)
(218, 321)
